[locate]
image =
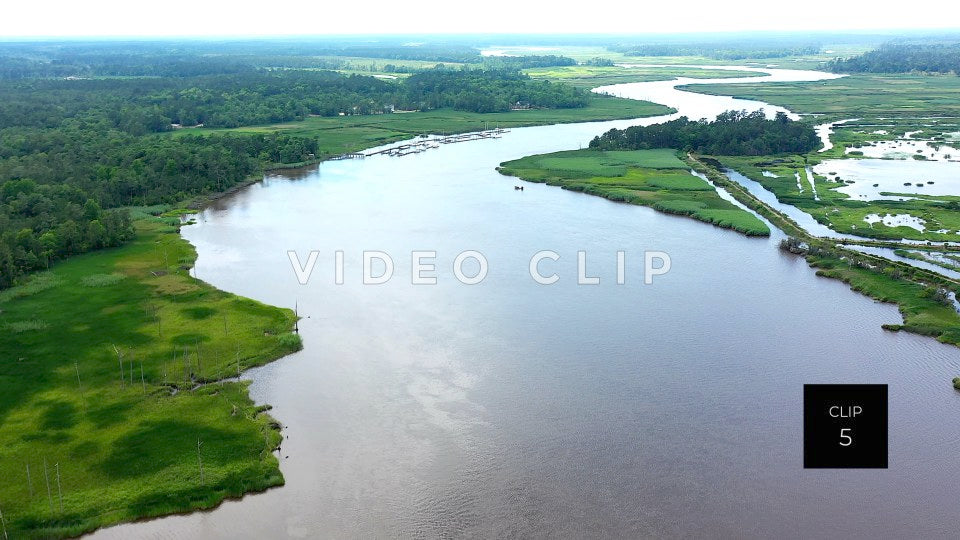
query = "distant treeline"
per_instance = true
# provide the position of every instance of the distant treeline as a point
(526, 62)
(151, 104)
(721, 50)
(193, 58)
(904, 58)
(145, 105)
(733, 133)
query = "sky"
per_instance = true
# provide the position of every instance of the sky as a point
(81, 18)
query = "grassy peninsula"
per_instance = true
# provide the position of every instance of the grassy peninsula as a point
(654, 178)
(113, 403)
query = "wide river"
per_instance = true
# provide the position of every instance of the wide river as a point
(511, 409)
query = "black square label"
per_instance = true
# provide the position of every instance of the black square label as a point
(845, 426)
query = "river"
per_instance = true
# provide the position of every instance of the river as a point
(511, 409)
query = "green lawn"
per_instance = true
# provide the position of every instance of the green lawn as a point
(654, 178)
(123, 432)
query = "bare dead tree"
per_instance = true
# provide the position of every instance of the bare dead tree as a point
(59, 489)
(46, 477)
(29, 480)
(83, 400)
(199, 461)
(120, 361)
(3, 523)
(199, 366)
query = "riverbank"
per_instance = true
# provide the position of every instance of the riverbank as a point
(583, 76)
(925, 309)
(818, 188)
(345, 134)
(135, 453)
(415, 385)
(117, 408)
(652, 178)
(858, 95)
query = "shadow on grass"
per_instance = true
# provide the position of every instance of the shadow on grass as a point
(155, 446)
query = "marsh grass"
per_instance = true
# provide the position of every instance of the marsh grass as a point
(126, 446)
(855, 95)
(922, 312)
(101, 280)
(338, 135)
(19, 327)
(843, 214)
(38, 282)
(654, 178)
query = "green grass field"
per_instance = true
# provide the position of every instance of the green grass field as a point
(108, 380)
(593, 76)
(855, 95)
(654, 178)
(342, 134)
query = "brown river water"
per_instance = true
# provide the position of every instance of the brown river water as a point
(510, 409)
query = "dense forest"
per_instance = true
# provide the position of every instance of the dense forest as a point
(75, 149)
(48, 203)
(42, 223)
(488, 91)
(152, 104)
(733, 133)
(904, 58)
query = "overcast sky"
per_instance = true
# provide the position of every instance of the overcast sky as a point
(301, 17)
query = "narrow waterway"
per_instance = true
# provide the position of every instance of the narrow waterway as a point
(511, 409)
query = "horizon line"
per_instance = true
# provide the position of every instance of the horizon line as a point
(230, 37)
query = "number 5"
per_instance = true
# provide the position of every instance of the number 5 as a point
(843, 435)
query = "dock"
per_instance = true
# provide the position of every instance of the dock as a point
(428, 143)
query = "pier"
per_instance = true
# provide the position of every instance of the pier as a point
(428, 143)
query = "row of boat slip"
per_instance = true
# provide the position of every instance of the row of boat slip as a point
(428, 143)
